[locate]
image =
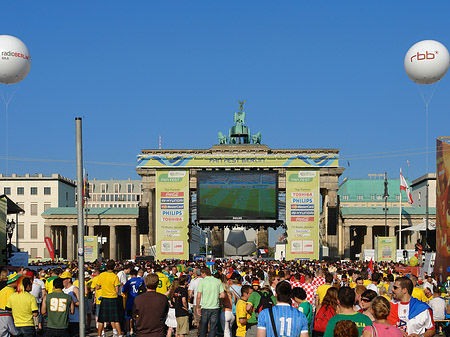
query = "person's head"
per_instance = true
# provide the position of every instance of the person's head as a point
(133, 272)
(157, 268)
(436, 291)
(127, 268)
(414, 280)
(359, 281)
(151, 282)
(235, 278)
(331, 298)
(140, 272)
(380, 307)
(183, 280)
(246, 290)
(110, 265)
(283, 291)
(281, 275)
(346, 297)
(58, 283)
(255, 285)
(345, 329)
(428, 292)
(376, 277)
(4, 275)
(328, 278)
(273, 280)
(344, 278)
(366, 299)
(174, 270)
(402, 289)
(205, 271)
(67, 279)
(299, 294)
(390, 277)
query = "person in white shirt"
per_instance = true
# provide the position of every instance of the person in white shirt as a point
(192, 295)
(123, 275)
(375, 280)
(437, 304)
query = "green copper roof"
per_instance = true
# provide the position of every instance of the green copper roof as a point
(93, 211)
(369, 189)
(391, 211)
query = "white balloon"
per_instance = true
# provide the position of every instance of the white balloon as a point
(427, 62)
(15, 60)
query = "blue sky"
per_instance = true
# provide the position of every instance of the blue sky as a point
(315, 75)
(322, 74)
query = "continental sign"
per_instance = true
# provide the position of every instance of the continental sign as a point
(233, 161)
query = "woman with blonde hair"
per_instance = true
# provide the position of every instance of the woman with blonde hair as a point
(380, 327)
(227, 317)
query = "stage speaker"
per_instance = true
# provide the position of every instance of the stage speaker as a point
(332, 220)
(143, 220)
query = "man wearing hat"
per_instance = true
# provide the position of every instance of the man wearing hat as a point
(8, 290)
(74, 293)
(253, 305)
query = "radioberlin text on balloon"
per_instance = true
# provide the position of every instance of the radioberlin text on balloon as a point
(14, 54)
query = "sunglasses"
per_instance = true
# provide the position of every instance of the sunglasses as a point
(365, 300)
(395, 287)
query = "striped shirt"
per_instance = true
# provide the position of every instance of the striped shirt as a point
(289, 322)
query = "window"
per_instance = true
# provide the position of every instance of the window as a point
(359, 197)
(7, 190)
(33, 209)
(34, 253)
(420, 195)
(47, 206)
(379, 197)
(33, 190)
(397, 197)
(130, 188)
(142, 187)
(20, 191)
(137, 197)
(102, 198)
(116, 188)
(47, 190)
(107, 197)
(21, 205)
(103, 188)
(372, 197)
(34, 230)
(344, 197)
(20, 232)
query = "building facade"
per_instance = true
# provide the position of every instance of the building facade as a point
(115, 193)
(35, 193)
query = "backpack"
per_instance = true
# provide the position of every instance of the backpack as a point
(264, 303)
(322, 318)
(142, 289)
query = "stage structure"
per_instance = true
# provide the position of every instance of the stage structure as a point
(240, 183)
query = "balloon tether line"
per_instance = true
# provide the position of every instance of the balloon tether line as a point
(6, 100)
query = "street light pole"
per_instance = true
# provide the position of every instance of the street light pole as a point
(386, 196)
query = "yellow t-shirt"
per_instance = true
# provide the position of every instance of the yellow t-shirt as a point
(366, 283)
(322, 291)
(4, 295)
(241, 313)
(419, 294)
(98, 292)
(49, 284)
(108, 281)
(22, 306)
(163, 284)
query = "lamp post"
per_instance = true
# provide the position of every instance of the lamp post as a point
(385, 196)
(10, 225)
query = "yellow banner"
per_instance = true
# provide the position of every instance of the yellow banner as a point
(3, 228)
(386, 248)
(302, 214)
(91, 248)
(237, 161)
(172, 214)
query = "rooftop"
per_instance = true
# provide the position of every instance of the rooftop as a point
(93, 211)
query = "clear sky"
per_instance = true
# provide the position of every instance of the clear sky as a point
(318, 74)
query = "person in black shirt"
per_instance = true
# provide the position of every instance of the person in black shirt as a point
(181, 306)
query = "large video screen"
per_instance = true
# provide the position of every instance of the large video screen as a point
(236, 195)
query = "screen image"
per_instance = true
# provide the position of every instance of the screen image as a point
(237, 194)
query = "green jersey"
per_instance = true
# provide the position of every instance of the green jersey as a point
(359, 319)
(58, 307)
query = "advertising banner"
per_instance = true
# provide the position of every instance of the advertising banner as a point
(302, 213)
(2, 229)
(442, 262)
(385, 248)
(90, 248)
(172, 214)
(238, 161)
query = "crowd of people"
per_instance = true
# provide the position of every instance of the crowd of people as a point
(253, 298)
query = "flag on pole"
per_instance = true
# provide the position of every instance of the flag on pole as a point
(404, 186)
(370, 268)
(407, 162)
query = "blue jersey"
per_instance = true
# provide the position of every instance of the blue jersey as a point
(289, 321)
(131, 289)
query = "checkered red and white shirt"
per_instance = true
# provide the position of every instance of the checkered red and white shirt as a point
(318, 281)
(295, 284)
(310, 290)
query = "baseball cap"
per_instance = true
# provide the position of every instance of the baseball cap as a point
(255, 283)
(29, 274)
(87, 275)
(66, 274)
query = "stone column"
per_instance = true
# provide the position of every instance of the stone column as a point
(90, 230)
(392, 230)
(133, 238)
(112, 243)
(368, 238)
(217, 235)
(70, 242)
(263, 238)
(347, 242)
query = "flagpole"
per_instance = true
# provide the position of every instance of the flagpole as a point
(400, 217)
